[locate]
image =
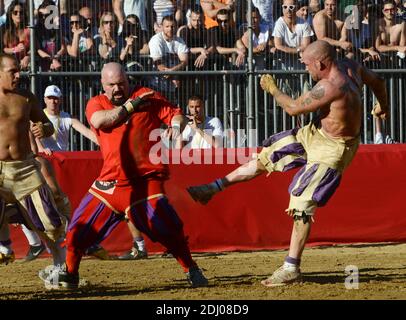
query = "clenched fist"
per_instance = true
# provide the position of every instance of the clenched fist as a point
(268, 84)
(379, 112)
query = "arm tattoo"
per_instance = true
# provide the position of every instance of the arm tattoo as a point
(113, 117)
(317, 92)
(307, 101)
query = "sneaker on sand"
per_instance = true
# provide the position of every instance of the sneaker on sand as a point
(196, 277)
(282, 277)
(7, 258)
(98, 252)
(134, 254)
(34, 252)
(56, 277)
(202, 193)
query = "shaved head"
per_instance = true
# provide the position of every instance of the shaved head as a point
(112, 68)
(320, 50)
(115, 83)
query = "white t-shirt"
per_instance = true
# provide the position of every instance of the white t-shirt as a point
(289, 38)
(212, 126)
(59, 141)
(159, 48)
(168, 52)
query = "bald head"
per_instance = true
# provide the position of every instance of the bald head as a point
(112, 68)
(115, 83)
(319, 50)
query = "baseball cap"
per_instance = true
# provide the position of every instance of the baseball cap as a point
(53, 91)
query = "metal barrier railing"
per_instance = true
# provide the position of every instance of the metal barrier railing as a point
(232, 94)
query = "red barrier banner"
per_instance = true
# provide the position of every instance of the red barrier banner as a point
(367, 207)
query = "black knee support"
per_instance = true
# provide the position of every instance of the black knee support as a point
(303, 216)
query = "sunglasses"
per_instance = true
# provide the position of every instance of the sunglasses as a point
(291, 7)
(18, 13)
(74, 22)
(108, 22)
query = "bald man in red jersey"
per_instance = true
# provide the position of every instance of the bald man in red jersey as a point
(129, 185)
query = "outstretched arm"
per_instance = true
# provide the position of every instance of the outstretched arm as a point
(83, 130)
(320, 96)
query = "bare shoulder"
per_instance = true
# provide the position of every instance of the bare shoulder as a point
(323, 88)
(319, 17)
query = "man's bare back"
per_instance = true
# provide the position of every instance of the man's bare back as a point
(17, 109)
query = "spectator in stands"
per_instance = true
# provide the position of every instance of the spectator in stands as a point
(261, 39)
(108, 44)
(303, 11)
(136, 43)
(202, 132)
(291, 36)
(81, 42)
(314, 7)
(123, 8)
(328, 27)
(51, 45)
(87, 14)
(392, 33)
(62, 123)
(169, 53)
(16, 36)
(197, 39)
(266, 11)
(212, 7)
(163, 8)
(359, 30)
(226, 39)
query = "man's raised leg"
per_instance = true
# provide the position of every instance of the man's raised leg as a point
(248, 171)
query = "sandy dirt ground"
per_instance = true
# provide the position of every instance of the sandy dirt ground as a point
(234, 275)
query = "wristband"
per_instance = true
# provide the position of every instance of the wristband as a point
(131, 106)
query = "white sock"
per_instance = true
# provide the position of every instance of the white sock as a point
(290, 266)
(140, 244)
(58, 253)
(32, 237)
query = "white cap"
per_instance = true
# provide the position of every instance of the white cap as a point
(53, 91)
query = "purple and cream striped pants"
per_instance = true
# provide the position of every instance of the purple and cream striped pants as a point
(322, 158)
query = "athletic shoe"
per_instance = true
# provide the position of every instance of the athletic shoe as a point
(7, 258)
(389, 140)
(378, 138)
(98, 252)
(68, 280)
(167, 254)
(56, 277)
(134, 254)
(196, 278)
(203, 193)
(34, 252)
(282, 277)
(44, 273)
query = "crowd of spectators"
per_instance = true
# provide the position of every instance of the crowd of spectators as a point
(174, 35)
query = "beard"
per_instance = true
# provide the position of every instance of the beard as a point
(118, 101)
